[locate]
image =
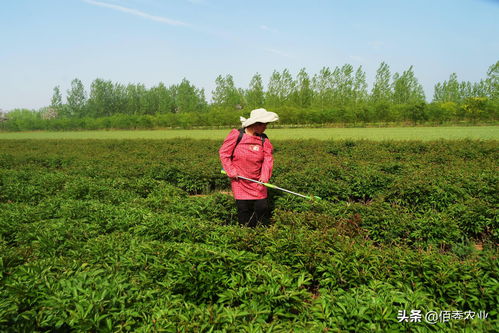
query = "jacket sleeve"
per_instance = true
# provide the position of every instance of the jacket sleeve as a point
(225, 153)
(268, 162)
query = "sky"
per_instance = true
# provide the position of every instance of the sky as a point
(48, 43)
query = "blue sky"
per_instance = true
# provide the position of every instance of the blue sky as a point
(45, 43)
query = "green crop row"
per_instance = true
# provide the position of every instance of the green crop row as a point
(142, 236)
(444, 191)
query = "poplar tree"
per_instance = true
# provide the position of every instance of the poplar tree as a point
(188, 98)
(134, 95)
(359, 86)
(344, 86)
(165, 99)
(158, 99)
(465, 90)
(100, 100)
(119, 100)
(492, 82)
(226, 95)
(406, 88)
(255, 94)
(334, 87)
(76, 99)
(448, 91)
(321, 87)
(303, 93)
(382, 92)
(287, 87)
(280, 89)
(150, 102)
(480, 89)
(56, 102)
(272, 99)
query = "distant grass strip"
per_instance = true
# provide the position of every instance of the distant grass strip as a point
(379, 134)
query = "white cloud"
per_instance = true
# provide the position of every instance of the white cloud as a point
(137, 13)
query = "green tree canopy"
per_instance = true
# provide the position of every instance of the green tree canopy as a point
(303, 90)
(382, 89)
(255, 97)
(492, 82)
(406, 88)
(188, 98)
(280, 88)
(76, 99)
(226, 96)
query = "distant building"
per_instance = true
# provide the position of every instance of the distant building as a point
(3, 116)
(49, 113)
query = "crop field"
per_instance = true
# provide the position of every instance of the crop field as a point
(378, 134)
(141, 236)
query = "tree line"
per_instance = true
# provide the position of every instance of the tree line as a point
(333, 95)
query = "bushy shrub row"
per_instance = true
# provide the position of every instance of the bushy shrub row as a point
(434, 113)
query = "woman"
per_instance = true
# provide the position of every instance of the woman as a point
(248, 153)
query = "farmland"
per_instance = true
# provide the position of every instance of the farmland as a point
(378, 134)
(141, 235)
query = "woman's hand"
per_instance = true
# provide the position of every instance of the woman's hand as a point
(232, 176)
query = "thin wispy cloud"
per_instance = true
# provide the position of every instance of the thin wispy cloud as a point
(278, 52)
(217, 33)
(136, 12)
(266, 28)
(376, 44)
(356, 58)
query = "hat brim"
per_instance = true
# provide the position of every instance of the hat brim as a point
(268, 118)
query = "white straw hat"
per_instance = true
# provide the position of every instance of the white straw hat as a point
(259, 116)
